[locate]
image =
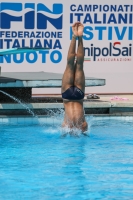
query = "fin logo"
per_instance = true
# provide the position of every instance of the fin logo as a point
(18, 12)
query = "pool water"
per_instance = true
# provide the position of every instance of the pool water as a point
(36, 162)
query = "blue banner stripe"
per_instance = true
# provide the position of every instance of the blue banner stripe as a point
(11, 6)
(30, 5)
(57, 8)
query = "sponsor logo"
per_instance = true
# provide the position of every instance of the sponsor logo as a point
(36, 20)
(33, 15)
(115, 50)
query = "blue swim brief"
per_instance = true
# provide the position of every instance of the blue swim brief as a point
(73, 93)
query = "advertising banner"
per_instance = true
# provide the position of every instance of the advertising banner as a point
(108, 36)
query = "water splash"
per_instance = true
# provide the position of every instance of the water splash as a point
(20, 102)
(53, 114)
(74, 131)
(59, 115)
(67, 131)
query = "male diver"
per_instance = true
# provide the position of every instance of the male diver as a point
(73, 83)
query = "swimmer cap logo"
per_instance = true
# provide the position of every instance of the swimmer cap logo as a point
(13, 12)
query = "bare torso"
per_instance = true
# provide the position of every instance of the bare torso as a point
(74, 115)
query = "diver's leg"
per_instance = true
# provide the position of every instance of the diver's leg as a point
(79, 72)
(68, 76)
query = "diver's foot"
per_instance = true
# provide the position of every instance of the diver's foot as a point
(75, 29)
(80, 29)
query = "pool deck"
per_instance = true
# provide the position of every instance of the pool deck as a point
(102, 107)
(40, 80)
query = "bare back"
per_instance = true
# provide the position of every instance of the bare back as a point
(74, 115)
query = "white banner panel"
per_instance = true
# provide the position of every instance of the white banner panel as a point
(108, 36)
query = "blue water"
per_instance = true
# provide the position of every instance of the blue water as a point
(37, 163)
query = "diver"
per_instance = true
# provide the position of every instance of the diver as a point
(73, 83)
